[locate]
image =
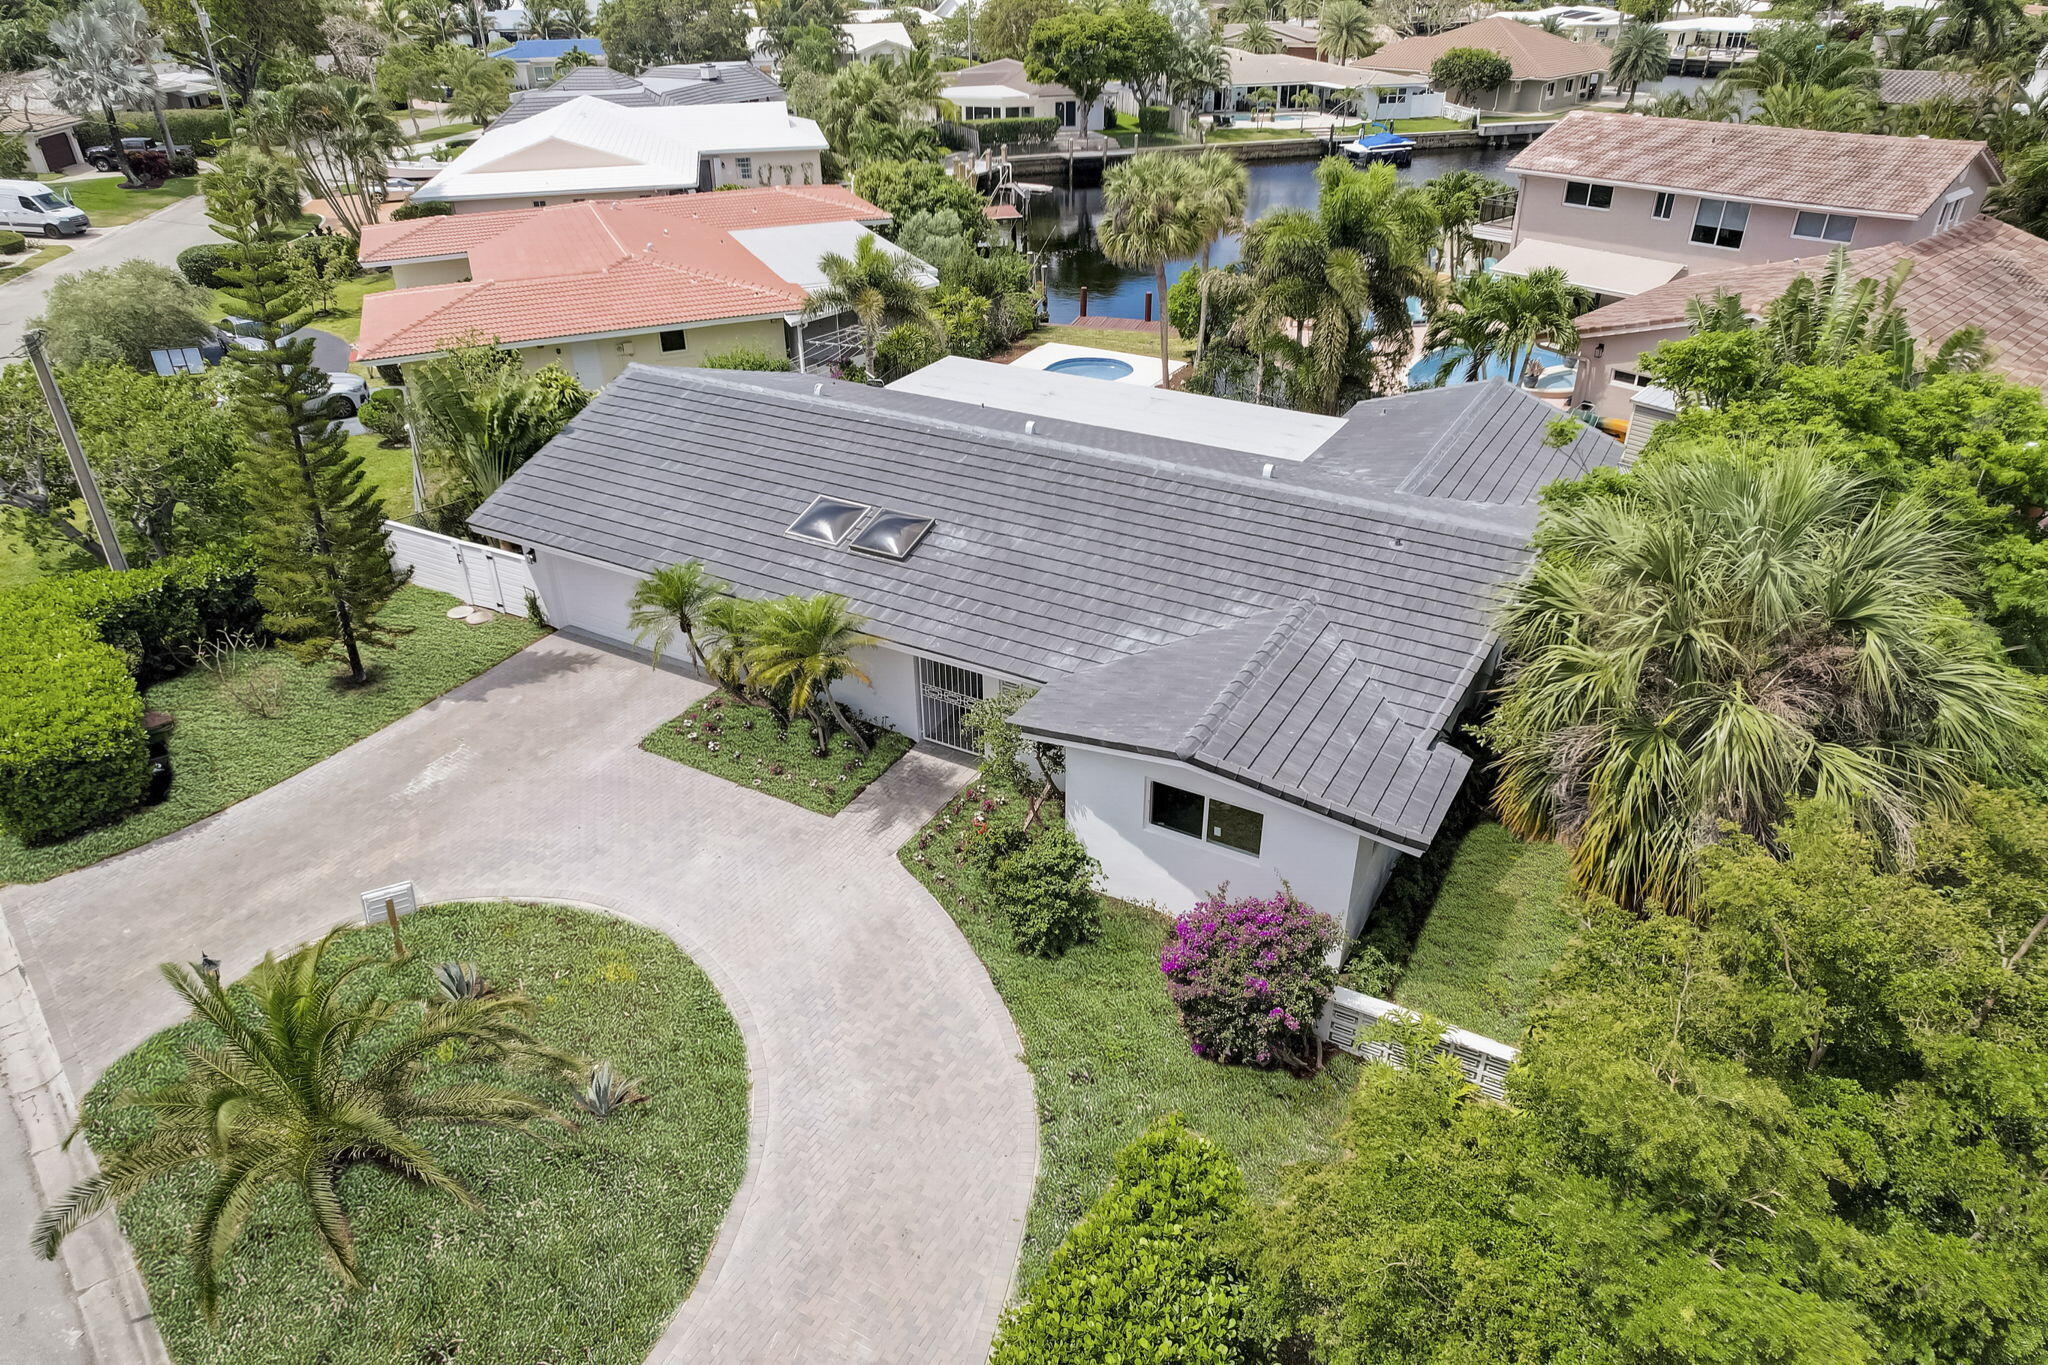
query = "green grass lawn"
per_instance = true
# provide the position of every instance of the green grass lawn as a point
(1131, 137)
(389, 472)
(1108, 1056)
(1499, 922)
(444, 130)
(345, 319)
(1426, 125)
(581, 1249)
(222, 753)
(108, 205)
(39, 255)
(1108, 339)
(750, 748)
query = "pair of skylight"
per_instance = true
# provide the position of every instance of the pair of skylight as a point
(860, 526)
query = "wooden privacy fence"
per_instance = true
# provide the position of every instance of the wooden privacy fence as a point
(1349, 1014)
(477, 574)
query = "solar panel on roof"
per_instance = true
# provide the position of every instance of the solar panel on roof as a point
(892, 535)
(827, 520)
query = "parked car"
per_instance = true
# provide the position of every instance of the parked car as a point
(104, 158)
(346, 390)
(26, 206)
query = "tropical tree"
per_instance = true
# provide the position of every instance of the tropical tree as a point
(2022, 199)
(671, 601)
(1084, 50)
(95, 70)
(1218, 186)
(561, 18)
(879, 287)
(1492, 316)
(798, 647)
(1345, 31)
(1641, 52)
(1465, 73)
(1837, 109)
(478, 412)
(1257, 36)
(1151, 214)
(1981, 27)
(343, 136)
(1459, 197)
(479, 86)
(1799, 53)
(1717, 637)
(304, 1083)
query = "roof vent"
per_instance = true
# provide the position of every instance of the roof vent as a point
(817, 390)
(827, 520)
(1030, 427)
(892, 535)
(1266, 470)
(707, 72)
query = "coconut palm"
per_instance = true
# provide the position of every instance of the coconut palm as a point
(800, 646)
(1217, 195)
(1257, 36)
(95, 70)
(1723, 636)
(671, 601)
(1345, 31)
(879, 287)
(1151, 214)
(1459, 197)
(296, 1085)
(1248, 11)
(1838, 109)
(344, 137)
(479, 87)
(1641, 52)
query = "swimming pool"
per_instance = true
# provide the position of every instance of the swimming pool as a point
(1424, 371)
(1091, 367)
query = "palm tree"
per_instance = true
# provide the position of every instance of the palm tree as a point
(1151, 215)
(298, 1086)
(1641, 52)
(344, 137)
(1248, 11)
(800, 647)
(1391, 225)
(1513, 313)
(1723, 636)
(483, 415)
(1988, 27)
(670, 602)
(1217, 194)
(724, 630)
(1345, 31)
(1257, 36)
(1459, 197)
(2023, 199)
(1839, 109)
(479, 87)
(95, 70)
(1799, 53)
(880, 288)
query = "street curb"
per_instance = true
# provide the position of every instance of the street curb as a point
(113, 1306)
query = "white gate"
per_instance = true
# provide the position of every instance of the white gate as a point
(477, 574)
(944, 692)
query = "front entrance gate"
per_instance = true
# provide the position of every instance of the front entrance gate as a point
(944, 692)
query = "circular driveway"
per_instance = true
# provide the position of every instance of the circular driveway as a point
(894, 1134)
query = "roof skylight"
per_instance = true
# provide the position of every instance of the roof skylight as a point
(827, 520)
(893, 535)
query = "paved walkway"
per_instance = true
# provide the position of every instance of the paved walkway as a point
(894, 1133)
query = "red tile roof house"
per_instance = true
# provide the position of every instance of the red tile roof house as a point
(1625, 202)
(599, 285)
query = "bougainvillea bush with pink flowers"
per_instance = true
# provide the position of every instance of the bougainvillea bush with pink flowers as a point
(1250, 976)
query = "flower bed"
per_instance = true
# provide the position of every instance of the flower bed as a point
(747, 744)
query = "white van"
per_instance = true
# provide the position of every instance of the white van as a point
(28, 206)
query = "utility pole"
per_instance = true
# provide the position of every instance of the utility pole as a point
(88, 487)
(213, 63)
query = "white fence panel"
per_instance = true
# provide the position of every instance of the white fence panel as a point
(477, 574)
(1485, 1061)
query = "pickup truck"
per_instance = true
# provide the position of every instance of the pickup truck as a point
(103, 157)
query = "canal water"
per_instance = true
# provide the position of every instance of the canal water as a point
(1062, 225)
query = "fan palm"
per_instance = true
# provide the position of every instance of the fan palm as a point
(1217, 194)
(295, 1091)
(880, 288)
(1723, 636)
(800, 646)
(95, 71)
(1152, 214)
(671, 601)
(1345, 31)
(1641, 52)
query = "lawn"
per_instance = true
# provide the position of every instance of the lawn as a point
(41, 255)
(1427, 125)
(1108, 1056)
(1499, 922)
(1131, 137)
(108, 205)
(345, 320)
(1108, 339)
(222, 751)
(388, 472)
(743, 744)
(581, 1249)
(444, 130)
(1273, 135)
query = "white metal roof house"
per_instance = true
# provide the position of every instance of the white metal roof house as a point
(695, 83)
(1252, 657)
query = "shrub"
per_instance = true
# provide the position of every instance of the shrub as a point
(963, 316)
(183, 163)
(1250, 976)
(1043, 891)
(202, 264)
(13, 157)
(429, 208)
(1148, 1273)
(334, 253)
(383, 416)
(11, 242)
(203, 130)
(906, 348)
(150, 165)
(1154, 118)
(996, 131)
(748, 358)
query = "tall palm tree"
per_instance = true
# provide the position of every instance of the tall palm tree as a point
(1257, 36)
(1986, 27)
(1512, 313)
(1726, 635)
(800, 647)
(344, 137)
(1837, 109)
(296, 1087)
(1151, 214)
(1217, 195)
(1641, 52)
(1459, 197)
(1392, 225)
(1345, 31)
(95, 70)
(881, 289)
(672, 601)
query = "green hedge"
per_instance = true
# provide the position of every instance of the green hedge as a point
(202, 264)
(1154, 118)
(11, 242)
(433, 208)
(995, 131)
(73, 650)
(203, 130)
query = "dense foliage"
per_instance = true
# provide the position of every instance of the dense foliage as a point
(120, 313)
(1039, 883)
(1250, 976)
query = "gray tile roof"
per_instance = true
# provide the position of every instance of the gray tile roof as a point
(1073, 547)
(735, 83)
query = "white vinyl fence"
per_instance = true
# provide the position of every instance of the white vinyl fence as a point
(472, 573)
(1349, 1014)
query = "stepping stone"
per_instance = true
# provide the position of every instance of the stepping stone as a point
(460, 611)
(478, 615)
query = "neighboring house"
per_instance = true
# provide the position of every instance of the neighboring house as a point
(1252, 657)
(1381, 94)
(860, 41)
(186, 87)
(1895, 86)
(1581, 23)
(1623, 203)
(1551, 72)
(597, 286)
(1000, 89)
(50, 132)
(533, 59)
(1710, 34)
(590, 149)
(1296, 40)
(695, 83)
(1985, 274)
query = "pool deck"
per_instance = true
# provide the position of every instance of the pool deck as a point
(1144, 372)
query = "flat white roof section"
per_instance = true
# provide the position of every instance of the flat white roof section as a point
(1274, 433)
(796, 252)
(1594, 268)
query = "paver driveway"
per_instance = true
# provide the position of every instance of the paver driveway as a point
(894, 1133)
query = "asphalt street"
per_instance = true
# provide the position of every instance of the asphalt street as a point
(159, 237)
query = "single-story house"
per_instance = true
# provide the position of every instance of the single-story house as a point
(533, 59)
(589, 148)
(1551, 71)
(1710, 33)
(1252, 658)
(1984, 273)
(694, 83)
(599, 285)
(1296, 40)
(27, 111)
(1000, 89)
(1895, 86)
(858, 41)
(186, 87)
(1381, 94)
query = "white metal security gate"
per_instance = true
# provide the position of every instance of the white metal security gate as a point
(944, 692)
(481, 575)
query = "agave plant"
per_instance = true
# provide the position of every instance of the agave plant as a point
(460, 981)
(605, 1092)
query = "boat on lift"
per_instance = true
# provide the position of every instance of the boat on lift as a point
(1379, 143)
